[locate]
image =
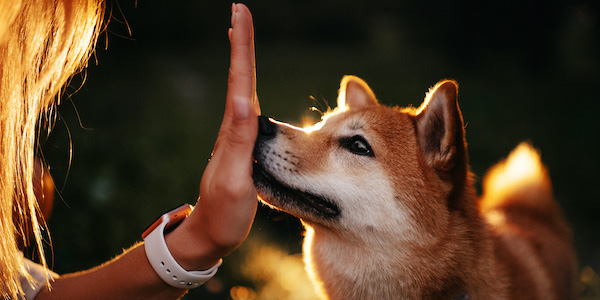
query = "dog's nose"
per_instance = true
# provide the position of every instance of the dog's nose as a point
(266, 127)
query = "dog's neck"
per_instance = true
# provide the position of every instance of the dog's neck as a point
(357, 269)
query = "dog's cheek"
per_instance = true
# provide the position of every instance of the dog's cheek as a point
(367, 200)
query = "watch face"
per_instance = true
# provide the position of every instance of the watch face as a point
(171, 218)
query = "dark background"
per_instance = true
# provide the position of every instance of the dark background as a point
(133, 141)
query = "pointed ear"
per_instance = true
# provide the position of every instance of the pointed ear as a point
(440, 129)
(355, 94)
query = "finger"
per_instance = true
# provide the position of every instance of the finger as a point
(242, 70)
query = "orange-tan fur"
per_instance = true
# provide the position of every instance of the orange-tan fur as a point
(401, 219)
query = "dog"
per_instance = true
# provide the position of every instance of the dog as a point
(387, 200)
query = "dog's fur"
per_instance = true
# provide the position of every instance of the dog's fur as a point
(390, 211)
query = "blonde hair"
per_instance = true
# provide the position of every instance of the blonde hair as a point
(42, 44)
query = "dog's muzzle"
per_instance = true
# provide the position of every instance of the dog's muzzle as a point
(270, 188)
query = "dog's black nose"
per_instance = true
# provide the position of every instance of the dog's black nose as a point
(266, 127)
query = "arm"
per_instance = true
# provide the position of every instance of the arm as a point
(224, 212)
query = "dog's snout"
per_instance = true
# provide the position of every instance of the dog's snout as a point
(266, 127)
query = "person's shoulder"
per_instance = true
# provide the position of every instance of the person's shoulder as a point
(40, 277)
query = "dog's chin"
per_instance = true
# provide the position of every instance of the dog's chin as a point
(301, 204)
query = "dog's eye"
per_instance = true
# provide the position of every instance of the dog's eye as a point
(357, 145)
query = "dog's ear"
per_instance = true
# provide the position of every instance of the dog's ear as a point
(355, 94)
(440, 129)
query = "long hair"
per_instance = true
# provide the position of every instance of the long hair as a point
(42, 44)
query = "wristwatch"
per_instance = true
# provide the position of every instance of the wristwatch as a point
(160, 257)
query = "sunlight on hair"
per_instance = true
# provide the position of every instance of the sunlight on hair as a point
(341, 100)
(522, 168)
(42, 44)
(308, 240)
(276, 274)
(523, 163)
(308, 127)
(426, 101)
(309, 124)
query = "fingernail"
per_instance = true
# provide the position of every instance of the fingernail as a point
(241, 109)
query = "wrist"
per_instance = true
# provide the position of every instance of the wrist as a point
(162, 257)
(190, 249)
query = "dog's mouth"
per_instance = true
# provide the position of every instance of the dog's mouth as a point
(267, 184)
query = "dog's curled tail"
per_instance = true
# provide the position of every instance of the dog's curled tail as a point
(521, 181)
(518, 204)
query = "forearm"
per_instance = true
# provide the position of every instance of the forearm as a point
(128, 276)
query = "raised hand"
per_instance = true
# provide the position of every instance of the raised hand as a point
(225, 210)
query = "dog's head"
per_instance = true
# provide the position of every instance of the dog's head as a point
(366, 166)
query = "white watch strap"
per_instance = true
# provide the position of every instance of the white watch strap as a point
(167, 267)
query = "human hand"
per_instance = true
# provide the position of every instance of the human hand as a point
(225, 210)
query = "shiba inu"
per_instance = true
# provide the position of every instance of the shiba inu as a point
(390, 211)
